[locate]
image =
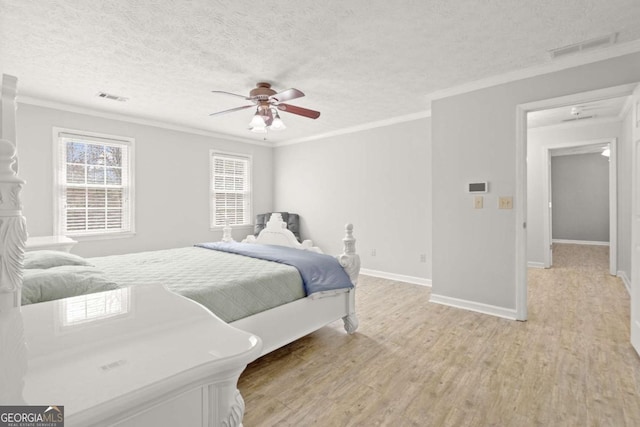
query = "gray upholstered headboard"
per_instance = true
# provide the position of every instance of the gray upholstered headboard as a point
(292, 220)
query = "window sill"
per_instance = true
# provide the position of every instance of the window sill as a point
(101, 236)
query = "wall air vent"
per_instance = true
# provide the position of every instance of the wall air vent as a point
(582, 46)
(106, 95)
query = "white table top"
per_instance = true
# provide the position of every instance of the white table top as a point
(94, 352)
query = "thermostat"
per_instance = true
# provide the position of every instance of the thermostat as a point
(478, 187)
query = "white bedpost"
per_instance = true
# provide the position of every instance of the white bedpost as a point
(350, 261)
(13, 235)
(13, 229)
(226, 232)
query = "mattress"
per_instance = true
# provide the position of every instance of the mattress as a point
(231, 286)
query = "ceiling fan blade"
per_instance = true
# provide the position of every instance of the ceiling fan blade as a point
(232, 94)
(231, 110)
(299, 111)
(287, 95)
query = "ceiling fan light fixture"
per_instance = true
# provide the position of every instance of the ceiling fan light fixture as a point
(257, 121)
(277, 123)
(268, 102)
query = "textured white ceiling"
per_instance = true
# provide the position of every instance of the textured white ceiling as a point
(357, 61)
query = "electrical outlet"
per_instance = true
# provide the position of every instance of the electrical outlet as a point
(373, 252)
(505, 202)
(478, 202)
(423, 257)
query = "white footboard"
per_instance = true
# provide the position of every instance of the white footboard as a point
(284, 324)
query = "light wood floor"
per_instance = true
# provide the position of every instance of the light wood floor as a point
(413, 363)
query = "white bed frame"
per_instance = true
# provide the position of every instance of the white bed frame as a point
(286, 323)
(276, 327)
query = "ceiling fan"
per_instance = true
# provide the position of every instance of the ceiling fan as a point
(267, 102)
(577, 112)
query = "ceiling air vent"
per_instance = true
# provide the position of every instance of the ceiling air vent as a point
(106, 95)
(585, 45)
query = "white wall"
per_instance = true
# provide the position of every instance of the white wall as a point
(580, 197)
(377, 179)
(537, 140)
(473, 136)
(625, 145)
(171, 179)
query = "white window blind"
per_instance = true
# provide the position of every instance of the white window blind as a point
(94, 185)
(230, 189)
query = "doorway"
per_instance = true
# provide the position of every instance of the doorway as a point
(520, 204)
(598, 149)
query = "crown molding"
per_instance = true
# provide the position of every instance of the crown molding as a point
(353, 129)
(537, 70)
(133, 119)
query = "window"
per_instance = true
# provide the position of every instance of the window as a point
(230, 189)
(94, 184)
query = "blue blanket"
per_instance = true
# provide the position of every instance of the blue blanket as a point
(319, 272)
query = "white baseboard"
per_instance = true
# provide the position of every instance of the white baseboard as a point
(580, 242)
(398, 277)
(535, 264)
(507, 313)
(625, 280)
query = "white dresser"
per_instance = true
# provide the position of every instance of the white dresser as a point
(138, 356)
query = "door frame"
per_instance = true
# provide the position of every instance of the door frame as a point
(635, 220)
(613, 197)
(520, 203)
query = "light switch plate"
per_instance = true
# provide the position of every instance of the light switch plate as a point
(505, 202)
(478, 202)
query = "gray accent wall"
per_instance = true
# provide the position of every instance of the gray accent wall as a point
(580, 197)
(378, 179)
(473, 136)
(171, 180)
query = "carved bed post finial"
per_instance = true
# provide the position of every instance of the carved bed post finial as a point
(349, 241)
(350, 261)
(226, 232)
(8, 108)
(13, 229)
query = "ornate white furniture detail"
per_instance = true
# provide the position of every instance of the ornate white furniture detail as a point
(53, 243)
(276, 233)
(149, 357)
(13, 228)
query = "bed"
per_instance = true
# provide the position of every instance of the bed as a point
(276, 324)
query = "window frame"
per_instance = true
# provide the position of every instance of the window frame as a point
(59, 181)
(212, 213)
